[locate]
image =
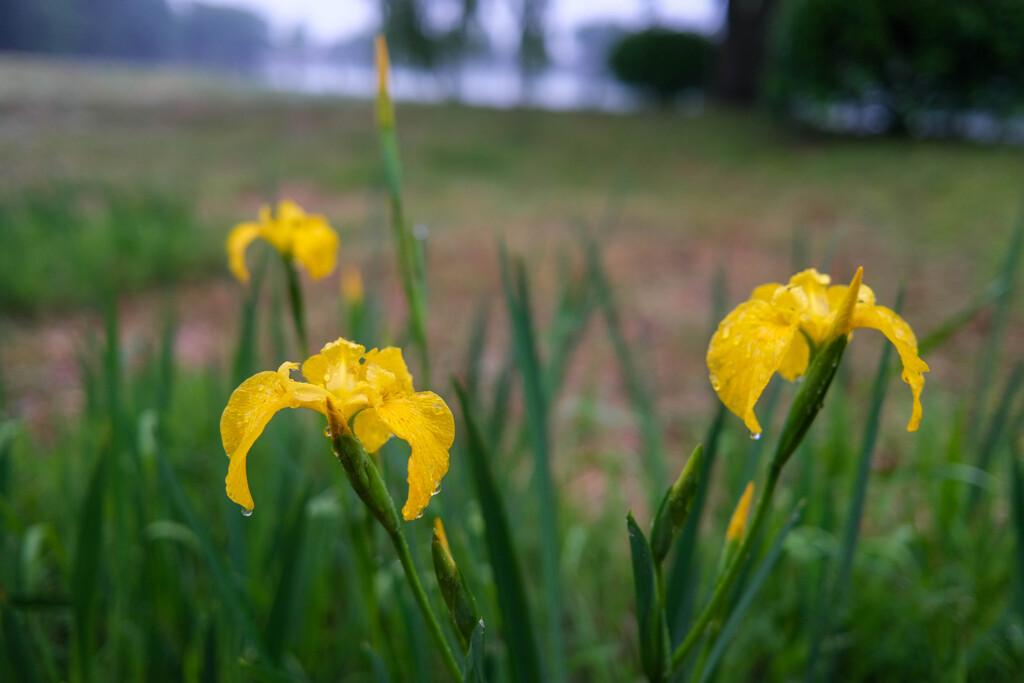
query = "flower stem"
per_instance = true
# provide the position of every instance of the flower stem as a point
(421, 599)
(298, 310)
(725, 582)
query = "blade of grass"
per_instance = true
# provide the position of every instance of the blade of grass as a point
(508, 582)
(520, 317)
(639, 393)
(17, 651)
(284, 620)
(993, 435)
(650, 613)
(954, 323)
(749, 593)
(994, 340)
(474, 667)
(86, 571)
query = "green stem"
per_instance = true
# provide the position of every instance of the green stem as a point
(298, 310)
(725, 583)
(421, 599)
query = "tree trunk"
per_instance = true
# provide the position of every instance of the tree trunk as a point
(741, 56)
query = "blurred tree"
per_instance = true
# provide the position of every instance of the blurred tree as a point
(222, 37)
(910, 56)
(740, 59)
(533, 53)
(408, 38)
(660, 62)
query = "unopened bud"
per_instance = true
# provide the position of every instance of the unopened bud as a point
(675, 506)
(454, 589)
(361, 471)
(738, 523)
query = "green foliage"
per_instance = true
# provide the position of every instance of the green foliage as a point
(72, 244)
(661, 62)
(912, 56)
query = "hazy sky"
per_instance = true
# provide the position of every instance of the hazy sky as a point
(328, 20)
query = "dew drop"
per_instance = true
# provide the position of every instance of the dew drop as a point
(437, 490)
(418, 516)
(327, 432)
(246, 513)
(755, 437)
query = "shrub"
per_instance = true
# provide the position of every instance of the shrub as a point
(660, 62)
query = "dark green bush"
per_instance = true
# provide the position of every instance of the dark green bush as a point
(661, 62)
(912, 56)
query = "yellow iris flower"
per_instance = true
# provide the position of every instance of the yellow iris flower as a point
(297, 235)
(779, 328)
(372, 391)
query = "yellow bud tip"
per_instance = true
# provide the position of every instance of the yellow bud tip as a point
(440, 535)
(843, 323)
(738, 523)
(383, 62)
(352, 286)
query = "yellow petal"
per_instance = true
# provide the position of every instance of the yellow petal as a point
(738, 522)
(248, 411)
(426, 423)
(794, 365)
(749, 346)
(336, 367)
(899, 333)
(387, 372)
(765, 292)
(371, 430)
(315, 246)
(239, 240)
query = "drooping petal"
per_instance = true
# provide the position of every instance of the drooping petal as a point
(426, 423)
(371, 430)
(238, 241)
(315, 246)
(248, 411)
(794, 365)
(899, 333)
(749, 346)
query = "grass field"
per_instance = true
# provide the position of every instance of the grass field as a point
(123, 183)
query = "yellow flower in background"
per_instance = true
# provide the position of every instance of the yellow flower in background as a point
(305, 238)
(372, 391)
(781, 326)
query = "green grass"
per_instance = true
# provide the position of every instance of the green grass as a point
(122, 559)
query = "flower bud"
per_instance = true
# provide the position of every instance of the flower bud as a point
(675, 506)
(454, 589)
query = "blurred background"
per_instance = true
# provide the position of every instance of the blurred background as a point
(705, 146)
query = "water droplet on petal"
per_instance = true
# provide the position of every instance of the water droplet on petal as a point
(755, 437)
(419, 515)
(246, 513)
(327, 432)
(437, 490)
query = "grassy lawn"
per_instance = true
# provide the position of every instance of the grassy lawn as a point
(124, 182)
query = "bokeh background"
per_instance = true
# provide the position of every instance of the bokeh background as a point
(706, 147)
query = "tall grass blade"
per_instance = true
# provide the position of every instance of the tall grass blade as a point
(1000, 319)
(954, 323)
(639, 393)
(575, 305)
(650, 615)
(224, 583)
(17, 651)
(86, 569)
(993, 435)
(475, 349)
(285, 617)
(1017, 509)
(524, 659)
(380, 672)
(473, 671)
(518, 301)
(749, 593)
(245, 351)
